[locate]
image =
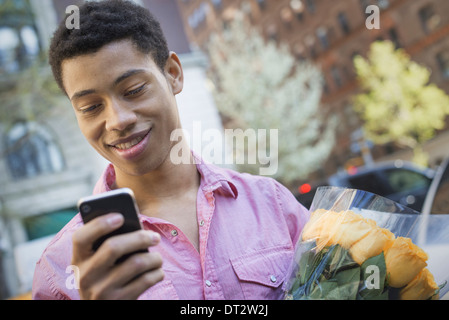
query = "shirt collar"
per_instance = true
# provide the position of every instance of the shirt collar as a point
(213, 178)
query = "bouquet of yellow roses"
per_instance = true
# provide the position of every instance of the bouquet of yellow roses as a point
(357, 245)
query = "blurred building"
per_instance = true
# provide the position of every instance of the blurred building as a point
(46, 163)
(330, 33)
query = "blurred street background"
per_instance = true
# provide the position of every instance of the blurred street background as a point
(349, 84)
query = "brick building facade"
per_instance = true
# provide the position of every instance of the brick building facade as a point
(47, 165)
(331, 33)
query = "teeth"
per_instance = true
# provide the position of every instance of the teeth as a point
(127, 145)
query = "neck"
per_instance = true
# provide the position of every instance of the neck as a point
(169, 181)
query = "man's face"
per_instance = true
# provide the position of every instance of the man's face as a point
(125, 105)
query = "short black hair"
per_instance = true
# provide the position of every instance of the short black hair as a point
(105, 22)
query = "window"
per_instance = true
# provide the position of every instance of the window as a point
(286, 15)
(370, 182)
(311, 5)
(18, 48)
(343, 21)
(299, 51)
(429, 19)
(321, 34)
(383, 4)
(298, 8)
(326, 89)
(31, 151)
(19, 43)
(262, 4)
(394, 37)
(313, 51)
(443, 63)
(336, 76)
(404, 180)
(272, 32)
(310, 43)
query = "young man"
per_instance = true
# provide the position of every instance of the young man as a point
(212, 233)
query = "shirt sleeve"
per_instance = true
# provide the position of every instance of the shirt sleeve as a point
(54, 277)
(295, 214)
(43, 285)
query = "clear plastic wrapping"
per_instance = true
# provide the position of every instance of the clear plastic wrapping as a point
(358, 245)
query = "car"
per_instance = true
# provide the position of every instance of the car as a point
(400, 181)
(434, 236)
(437, 199)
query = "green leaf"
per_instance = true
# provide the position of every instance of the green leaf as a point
(323, 290)
(307, 264)
(296, 285)
(373, 274)
(341, 260)
(348, 283)
(335, 275)
(307, 274)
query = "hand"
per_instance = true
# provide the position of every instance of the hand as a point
(100, 276)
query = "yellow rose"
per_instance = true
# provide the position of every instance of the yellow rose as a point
(344, 228)
(319, 227)
(313, 227)
(330, 222)
(422, 287)
(349, 229)
(376, 241)
(404, 260)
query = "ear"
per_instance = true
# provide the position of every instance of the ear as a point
(174, 73)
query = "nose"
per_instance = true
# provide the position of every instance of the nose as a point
(120, 116)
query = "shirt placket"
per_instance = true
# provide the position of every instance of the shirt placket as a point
(212, 287)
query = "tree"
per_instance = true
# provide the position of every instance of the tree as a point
(398, 104)
(29, 95)
(259, 85)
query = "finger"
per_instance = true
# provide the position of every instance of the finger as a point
(84, 237)
(118, 246)
(142, 283)
(136, 265)
(113, 283)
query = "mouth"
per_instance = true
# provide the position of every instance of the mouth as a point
(131, 146)
(128, 145)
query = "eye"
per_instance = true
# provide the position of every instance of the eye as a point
(134, 91)
(90, 108)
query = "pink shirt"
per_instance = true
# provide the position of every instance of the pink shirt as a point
(248, 226)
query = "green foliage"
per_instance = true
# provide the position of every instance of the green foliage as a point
(15, 13)
(398, 104)
(28, 96)
(331, 274)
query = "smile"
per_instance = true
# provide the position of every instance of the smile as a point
(133, 146)
(127, 145)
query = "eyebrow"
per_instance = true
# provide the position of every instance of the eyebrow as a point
(127, 74)
(121, 78)
(82, 94)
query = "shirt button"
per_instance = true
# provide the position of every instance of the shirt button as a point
(208, 283)
(202, 223)
(174, 232)
(273, 278)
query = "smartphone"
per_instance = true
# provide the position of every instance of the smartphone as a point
(117, 201)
